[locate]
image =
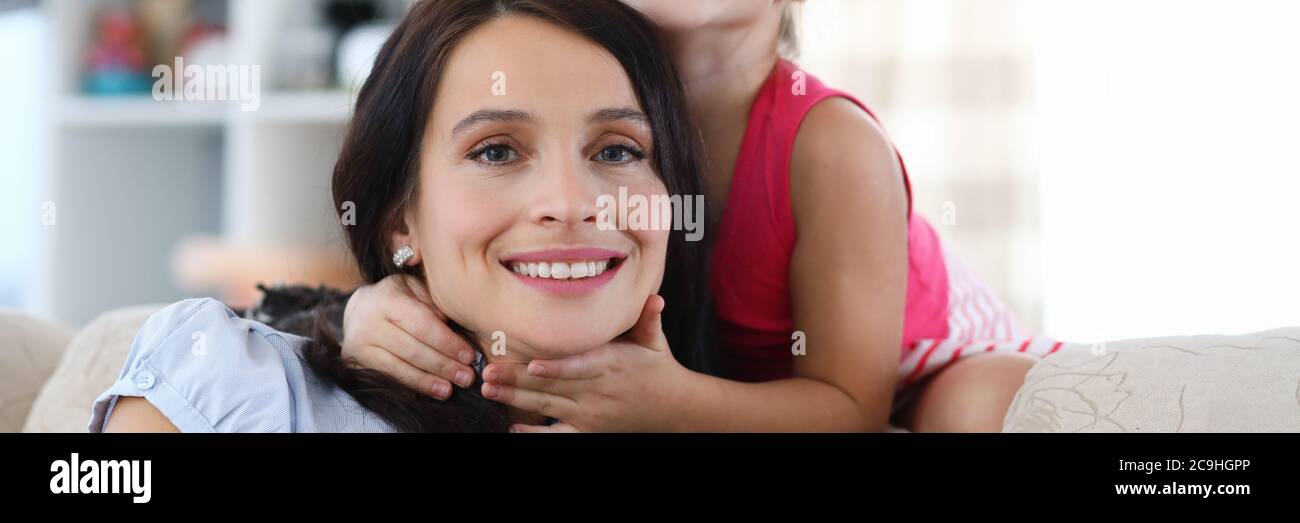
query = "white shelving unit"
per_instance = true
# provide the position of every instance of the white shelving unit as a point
(132, 177)
(323, 107)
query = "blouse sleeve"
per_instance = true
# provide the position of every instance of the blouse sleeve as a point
(207, 370)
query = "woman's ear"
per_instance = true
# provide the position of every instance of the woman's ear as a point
(405, 236)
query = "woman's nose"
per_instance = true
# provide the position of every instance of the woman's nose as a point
(566, 195)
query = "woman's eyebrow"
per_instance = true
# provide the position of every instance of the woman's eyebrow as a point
(619, 113)
(488, 115)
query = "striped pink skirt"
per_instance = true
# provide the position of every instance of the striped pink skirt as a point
(978, 323)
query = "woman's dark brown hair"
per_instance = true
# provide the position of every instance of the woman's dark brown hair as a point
(378, 169)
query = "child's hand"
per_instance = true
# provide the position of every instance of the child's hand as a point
(630, 384)
(387, 329)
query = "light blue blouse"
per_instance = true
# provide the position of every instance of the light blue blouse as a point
(208, 370)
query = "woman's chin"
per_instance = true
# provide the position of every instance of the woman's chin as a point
(560, 340)
(556, 330)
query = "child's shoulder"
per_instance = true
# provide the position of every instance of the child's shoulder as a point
(839, 143)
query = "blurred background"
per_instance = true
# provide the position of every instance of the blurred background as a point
(1111, 168)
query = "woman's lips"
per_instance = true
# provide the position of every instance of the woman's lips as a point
(565, 272)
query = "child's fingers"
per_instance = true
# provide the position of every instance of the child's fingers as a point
(383, 361)
(585, 366)
(411, 350)
(541, 403)
(515, 375)
(419, 321)
(648, 331)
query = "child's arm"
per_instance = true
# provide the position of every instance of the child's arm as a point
(848, 279)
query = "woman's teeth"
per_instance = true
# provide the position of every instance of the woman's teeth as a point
(561, 270)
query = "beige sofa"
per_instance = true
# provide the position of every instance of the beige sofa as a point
(1250, 383)
(1247, 383)
(56, 396)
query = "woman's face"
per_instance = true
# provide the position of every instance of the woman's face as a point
(531, 124)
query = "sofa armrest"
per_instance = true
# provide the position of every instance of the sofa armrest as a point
(89, 366)
(30, 349)
(1247, 383)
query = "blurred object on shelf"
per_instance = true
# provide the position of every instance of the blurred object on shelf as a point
(357, 52)
(205, 44)
(324, 48)
(344, 15)
(116, 63)
(304, 50)
(205, 38)
(206, 263)
(165, 23)
(129, 43)
(360, 36)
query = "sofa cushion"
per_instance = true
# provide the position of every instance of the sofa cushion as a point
(89, 366)
(1247, 383)
(30, 349)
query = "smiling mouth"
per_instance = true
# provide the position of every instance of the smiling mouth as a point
(579, 269)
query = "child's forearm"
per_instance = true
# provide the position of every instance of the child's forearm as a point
(710, 404)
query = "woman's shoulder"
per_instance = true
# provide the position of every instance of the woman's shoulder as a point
(205, 334)
(208, 370)
(191, 323)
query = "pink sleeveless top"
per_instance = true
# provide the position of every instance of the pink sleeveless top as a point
(750, 267)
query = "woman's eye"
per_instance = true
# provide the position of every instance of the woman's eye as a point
(494, 154)
(619, 154)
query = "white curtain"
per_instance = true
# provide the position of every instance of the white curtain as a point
(1167, 137)
(21, 39)
(950, 80)
(1113, 168)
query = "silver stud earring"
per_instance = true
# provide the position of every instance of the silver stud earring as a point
(403, 255)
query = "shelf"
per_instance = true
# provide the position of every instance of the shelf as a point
(136, 111)
(135, 176)
(333, 107)
(307, 107)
